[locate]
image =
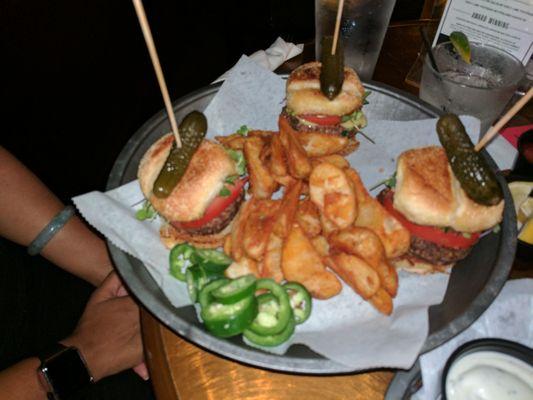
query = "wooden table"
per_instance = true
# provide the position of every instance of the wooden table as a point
(182, 370)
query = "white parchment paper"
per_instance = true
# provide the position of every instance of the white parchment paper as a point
(509, 317)
(345, 329)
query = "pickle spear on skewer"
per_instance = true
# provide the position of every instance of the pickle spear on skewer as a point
(332, 72)
(475, 175)
(192, 131)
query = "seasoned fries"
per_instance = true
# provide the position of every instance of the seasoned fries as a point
(395, 238)
(320, 144)
(333, 194)
(261, 181)
(325, 219)
(356, 273)
(300, 262)
(258, 226)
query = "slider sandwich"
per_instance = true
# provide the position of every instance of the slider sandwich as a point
(200, 208)
(429, 201)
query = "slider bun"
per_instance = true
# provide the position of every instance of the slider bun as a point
(428, 193)
(200, 184)
(304, 95)
(171, 236)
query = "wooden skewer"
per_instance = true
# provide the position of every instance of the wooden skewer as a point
(493, 131)
(337, 27)
(147, 33)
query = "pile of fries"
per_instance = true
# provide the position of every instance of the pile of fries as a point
(326, 226)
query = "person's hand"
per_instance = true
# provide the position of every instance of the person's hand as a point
(108, 333)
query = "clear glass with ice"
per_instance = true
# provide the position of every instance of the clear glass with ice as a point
(482, 88)
(363, 27)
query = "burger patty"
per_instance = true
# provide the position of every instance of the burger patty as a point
(299, 126)
(218, 223)
(434, 253)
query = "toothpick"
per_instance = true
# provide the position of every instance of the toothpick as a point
(337, 27)
(147, 33)
(493, 131)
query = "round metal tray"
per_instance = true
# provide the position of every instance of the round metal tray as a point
(474, 282)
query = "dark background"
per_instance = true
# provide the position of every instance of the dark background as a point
(77, 80)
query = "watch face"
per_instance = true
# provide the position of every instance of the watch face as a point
(66, 373)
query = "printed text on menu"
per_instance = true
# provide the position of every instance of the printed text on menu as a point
(506, 24)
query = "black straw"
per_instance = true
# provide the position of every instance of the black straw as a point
(425, 40)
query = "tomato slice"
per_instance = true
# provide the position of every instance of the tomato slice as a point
(432, 234)
(219, 204)
(321, 119)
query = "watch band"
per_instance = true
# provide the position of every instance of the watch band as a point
(63, 371)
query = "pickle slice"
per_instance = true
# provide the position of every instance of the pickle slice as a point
(332, 72)
(477, 179)
(192, 131)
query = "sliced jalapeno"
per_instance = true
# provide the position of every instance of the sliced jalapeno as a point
(265, 324)
(226, 320)
(179, 259)
(271, 340)
(300, 300)
(196, 279)
(213, 260)
(235, 290)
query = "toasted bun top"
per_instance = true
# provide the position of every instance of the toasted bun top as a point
(304, 95)
(428, 193)
(200, 184)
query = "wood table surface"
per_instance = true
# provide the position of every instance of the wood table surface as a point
(181, 370)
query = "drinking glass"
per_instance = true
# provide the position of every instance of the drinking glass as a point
(363, 27)
(482, 88)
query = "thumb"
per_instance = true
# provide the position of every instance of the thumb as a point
(108, 289)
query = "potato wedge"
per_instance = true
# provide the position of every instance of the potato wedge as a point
(287, 210)
(261, 181)
(382, 301)
(278, 160)
(335, 159)
(265, 135)
(297, 161)
(308, 217)
(240, 268)
(271, 264)
(321, 245)
(234, 141)
(389, 277)
(332, 193)
(258, 226)
(361, 242)
(237, 231)
(300, 262)
(227, 245)
(361, 277)
(318, 144)
(395, 238)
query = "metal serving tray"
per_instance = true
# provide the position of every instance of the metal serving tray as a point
(474, 282)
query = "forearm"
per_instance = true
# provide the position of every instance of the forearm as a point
(21, 382)
(28, 206)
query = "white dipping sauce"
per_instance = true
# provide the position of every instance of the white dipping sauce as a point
(489, 375)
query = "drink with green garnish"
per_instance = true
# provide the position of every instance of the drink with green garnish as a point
(481, 88)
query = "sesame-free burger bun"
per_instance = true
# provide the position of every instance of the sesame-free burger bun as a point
(428, 193)
(201, 183)
(305, 97)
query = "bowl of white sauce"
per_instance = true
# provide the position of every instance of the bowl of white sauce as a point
(488, 369)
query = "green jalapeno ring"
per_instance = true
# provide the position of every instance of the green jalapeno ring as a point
(235, 290)
(300, 301)
(283, 316)
(180, 259)
(226, 320)
(271, 340)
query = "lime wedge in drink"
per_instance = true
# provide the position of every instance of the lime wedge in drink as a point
(461, 45)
